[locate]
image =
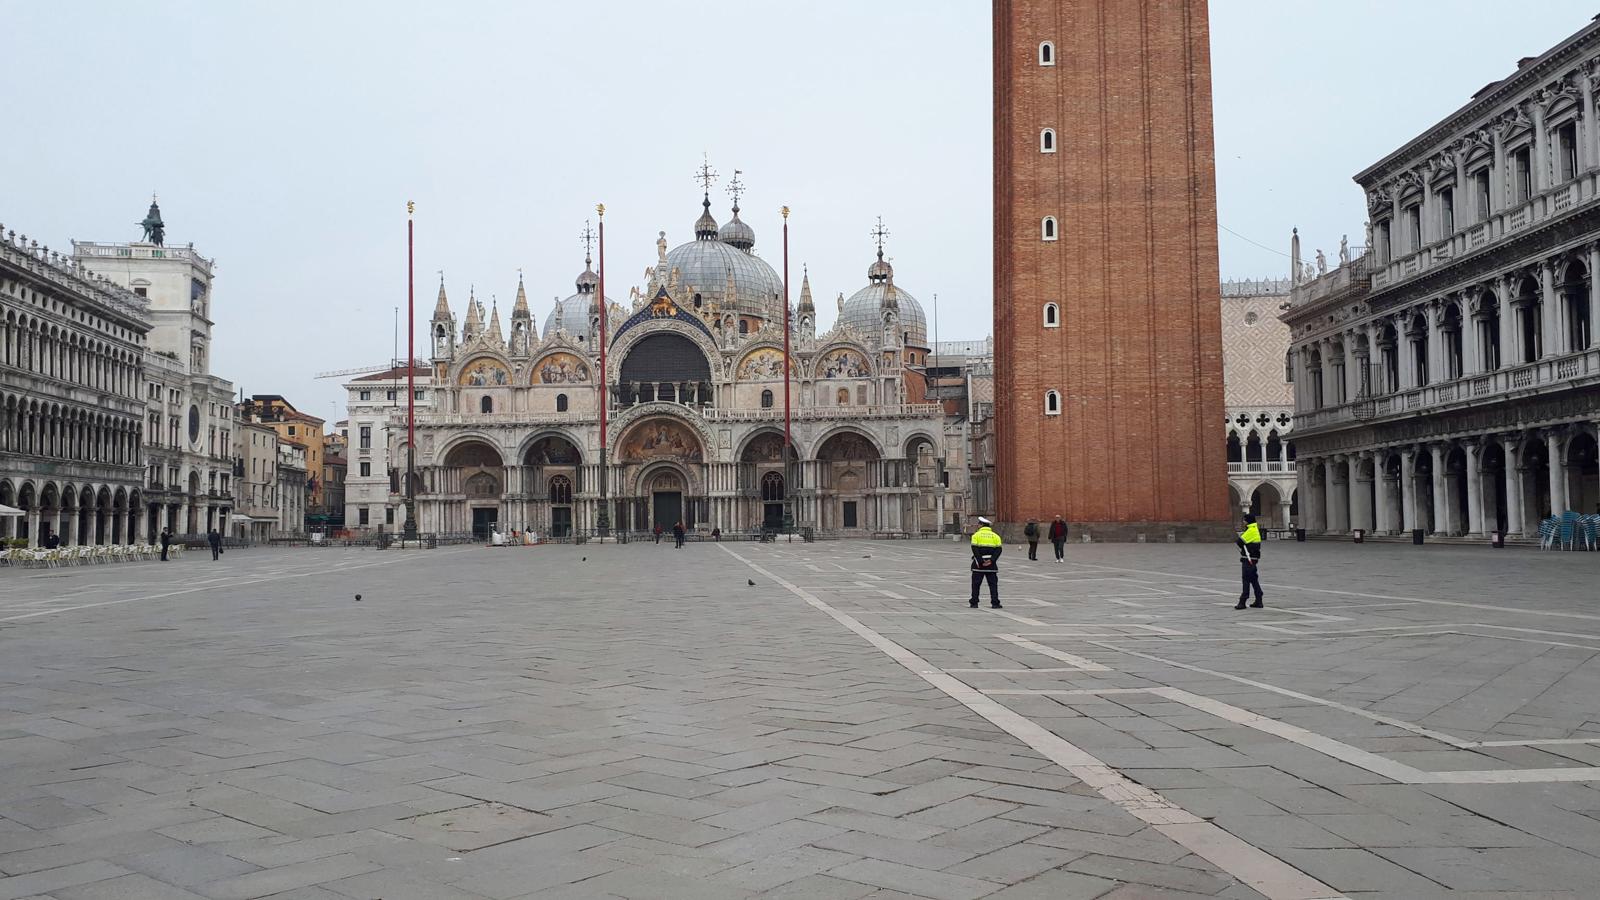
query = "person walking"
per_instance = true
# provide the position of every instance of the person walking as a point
(986, 549)
(677, 535)
(1031, 532)
(214, 538)
(166, 541)
(1058, 537)
(1249, 543)
(658, 532)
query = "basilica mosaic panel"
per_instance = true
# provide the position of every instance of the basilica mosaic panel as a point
(561, 368)
(662, 439)
(762, 365)
(843, 364)
(485, 373)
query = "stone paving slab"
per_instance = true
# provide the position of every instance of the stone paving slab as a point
(635, 721)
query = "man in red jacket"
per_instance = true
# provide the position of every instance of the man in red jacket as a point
(1058, 536)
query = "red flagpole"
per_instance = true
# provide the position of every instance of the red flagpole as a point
(605, 514)
(788, 438)
(411, 374)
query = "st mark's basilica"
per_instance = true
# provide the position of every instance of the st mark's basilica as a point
(695, 380)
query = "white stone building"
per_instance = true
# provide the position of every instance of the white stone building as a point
(1448, 380)
(1259, 400)
(71, 399)
(696, 380)
(188, 414)
(255, 480)
(375, 431)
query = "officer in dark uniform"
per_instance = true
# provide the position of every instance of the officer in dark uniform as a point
(986, 548)
(1249, 543)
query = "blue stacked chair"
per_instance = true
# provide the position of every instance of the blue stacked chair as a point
(1567, 531)
(1547, 532)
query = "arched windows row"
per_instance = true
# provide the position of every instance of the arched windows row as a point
(64, 432)
(49, 350)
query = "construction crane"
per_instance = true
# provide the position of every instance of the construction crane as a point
(381, 367)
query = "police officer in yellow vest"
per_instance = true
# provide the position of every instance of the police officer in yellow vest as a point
(1249, 543)
(986, 547)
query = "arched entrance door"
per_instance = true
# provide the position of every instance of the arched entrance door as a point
(662, 453)
(847, 463)
(482, 475)
(664, 490)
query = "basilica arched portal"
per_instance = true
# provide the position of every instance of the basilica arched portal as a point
(663, 459)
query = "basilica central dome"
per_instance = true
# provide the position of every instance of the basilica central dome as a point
(572, 314)
(707, 264)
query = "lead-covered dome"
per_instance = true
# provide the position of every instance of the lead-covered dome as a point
(572, 314)
(706, 264)
(864, 310)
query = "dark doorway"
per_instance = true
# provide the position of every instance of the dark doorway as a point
(771, 516)
(484, 521)
(561, 522)
(850, 514)
(667, 507)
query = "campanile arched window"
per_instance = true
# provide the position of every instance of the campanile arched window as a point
(1052, 316)
(1047, 141)
(1047, 228)
(1047, 54)
(1052, 403)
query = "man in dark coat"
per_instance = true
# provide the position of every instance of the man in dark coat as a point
(166, 541)
(1031, 532)
(214, 538)
(1058, 537)
(677, 534)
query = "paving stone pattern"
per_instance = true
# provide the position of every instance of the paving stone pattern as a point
(639, 722)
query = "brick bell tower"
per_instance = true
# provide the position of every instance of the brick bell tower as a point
(1108, 343)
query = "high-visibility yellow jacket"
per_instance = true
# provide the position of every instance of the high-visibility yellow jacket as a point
(986, 549)
(1249, 543)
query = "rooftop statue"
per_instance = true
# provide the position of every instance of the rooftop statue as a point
(154, 231)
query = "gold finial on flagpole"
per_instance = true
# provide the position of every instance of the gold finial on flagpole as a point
(600, 209)
(786, 212)
(411, 207)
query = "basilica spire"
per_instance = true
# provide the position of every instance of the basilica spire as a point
(474, 324)
(737, 233)
(495, 334)
(441, 308)
(705, 227)
(523, 330)
(806, 306)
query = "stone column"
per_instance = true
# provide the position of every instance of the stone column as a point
(1586, 129)
(33, 526)
(1441, 506)
(1339, 503)
(1352, 371)
(1436, 366)
(1360, 492)
(1514, 511)
(1408, 488)
(1593, 251)
(1474, 488)
(69, 526)
(1497, 178)
(1541, 156)
(1558, 473)
(1382, 517)
(1508, 323)
(1549, 317)
(1329, 499)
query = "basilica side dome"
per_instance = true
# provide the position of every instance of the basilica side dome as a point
(864, 310)
(572, 314)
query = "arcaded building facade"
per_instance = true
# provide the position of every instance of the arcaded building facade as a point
(1447, 379)
(1260, 401)
(1108, 353)
(72, 410)
(695, 383)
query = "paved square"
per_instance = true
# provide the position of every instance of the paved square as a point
(640, 722)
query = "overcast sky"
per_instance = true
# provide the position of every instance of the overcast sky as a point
(285, 138)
